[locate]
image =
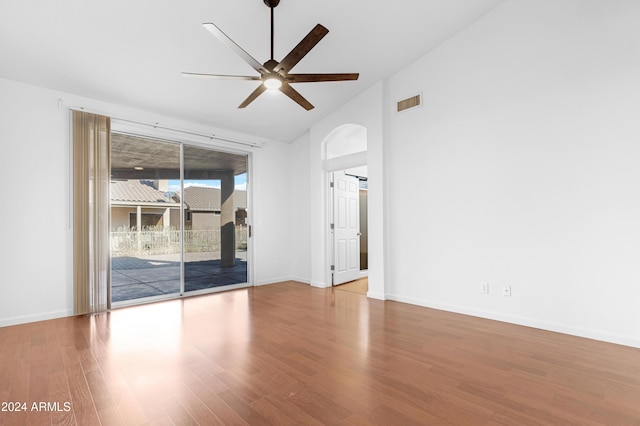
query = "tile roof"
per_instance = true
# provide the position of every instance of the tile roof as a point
(199, 198)
(202, 199)
(196, 198)
(136, 191)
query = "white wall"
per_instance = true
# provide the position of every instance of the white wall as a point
(299, 223)
(271, 230)
(36, 271)
(522, 169)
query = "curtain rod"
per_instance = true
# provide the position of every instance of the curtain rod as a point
(158, 126)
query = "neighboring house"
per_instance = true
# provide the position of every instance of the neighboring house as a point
(143, 203)
(140, 203)
(202, 207)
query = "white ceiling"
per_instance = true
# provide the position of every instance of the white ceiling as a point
(132, 52)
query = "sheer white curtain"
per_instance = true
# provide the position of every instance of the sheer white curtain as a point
(91, 177)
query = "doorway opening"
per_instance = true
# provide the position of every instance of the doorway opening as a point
(348, 225)
(348, 204)
(178, 219)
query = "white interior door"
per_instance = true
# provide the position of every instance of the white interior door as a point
(346, 228)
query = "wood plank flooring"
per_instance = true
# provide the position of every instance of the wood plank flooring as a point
(292, 354)
(360, 286)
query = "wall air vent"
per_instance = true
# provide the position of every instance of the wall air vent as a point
(412, 102)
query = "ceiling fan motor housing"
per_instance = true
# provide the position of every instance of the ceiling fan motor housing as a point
(271, 64)
(271, 3)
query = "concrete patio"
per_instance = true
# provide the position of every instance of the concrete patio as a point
(147, 276)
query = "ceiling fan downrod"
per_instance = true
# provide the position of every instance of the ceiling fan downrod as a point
(271, 4)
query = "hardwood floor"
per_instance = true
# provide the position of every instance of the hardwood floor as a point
(293, 354)
(360, 286)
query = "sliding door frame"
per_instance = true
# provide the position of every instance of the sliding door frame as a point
(183, 139)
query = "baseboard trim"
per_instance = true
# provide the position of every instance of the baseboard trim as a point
(25, 319)
(376, 295)
(273, 281)
(301, 280)
(527, 322)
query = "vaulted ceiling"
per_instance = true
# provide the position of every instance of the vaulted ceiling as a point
(132, 52)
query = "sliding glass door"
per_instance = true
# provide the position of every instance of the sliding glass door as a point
(145, 219)
(215, 219)
(178, 219)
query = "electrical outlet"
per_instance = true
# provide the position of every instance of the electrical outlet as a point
(484, 288)
(506, 290)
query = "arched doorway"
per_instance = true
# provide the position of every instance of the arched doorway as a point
(345, 164)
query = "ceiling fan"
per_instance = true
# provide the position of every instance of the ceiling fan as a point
(274, 74)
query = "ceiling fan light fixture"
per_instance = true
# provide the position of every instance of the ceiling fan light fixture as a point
(272, 83)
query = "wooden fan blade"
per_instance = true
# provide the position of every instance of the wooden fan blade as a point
(312, 78)
(259, 90)
(298, 52)
(220, 76)
(297, 97)
(217, 32)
